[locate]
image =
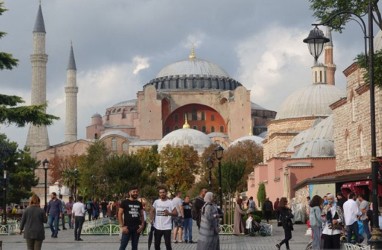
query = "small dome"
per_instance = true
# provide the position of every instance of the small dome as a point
(313, 100)
(186, 136)
(96, 115)
(256, 139)
(316, 148)
(194, 66)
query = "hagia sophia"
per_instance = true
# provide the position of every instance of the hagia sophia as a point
(318, 142)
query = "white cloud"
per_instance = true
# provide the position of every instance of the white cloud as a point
(273, 63)
(140, 63)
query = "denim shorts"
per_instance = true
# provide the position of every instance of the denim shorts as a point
(178, 221)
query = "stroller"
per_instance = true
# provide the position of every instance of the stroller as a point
(252, 226)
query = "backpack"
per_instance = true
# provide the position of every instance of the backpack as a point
(88, 206)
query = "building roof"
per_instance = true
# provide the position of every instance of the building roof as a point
(313, 100)
(131, 102)
(186, 136)
(315, 148)
(39, 25)
(256, 139)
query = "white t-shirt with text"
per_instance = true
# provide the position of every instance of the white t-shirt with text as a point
(163, 222)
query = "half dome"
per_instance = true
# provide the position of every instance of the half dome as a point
(313, 100)
(256, 139)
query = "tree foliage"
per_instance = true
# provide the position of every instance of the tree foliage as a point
(20, 168)
(362, 61)
(62, 170)
(10, 110)
(324, 9)
(179, 166)
(261, 194)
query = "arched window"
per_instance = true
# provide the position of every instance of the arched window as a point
(125, 147)
(114, 144)
(212, 129)
(347, 142)
(195, 127)
(204, 129)
(222, 129)
(361, 143)
(203, 116)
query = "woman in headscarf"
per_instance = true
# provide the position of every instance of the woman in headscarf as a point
(333, 217)
(238, 222)
(209, 225)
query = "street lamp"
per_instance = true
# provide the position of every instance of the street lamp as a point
(75, 183)
(209, 165)
(376, 239)
(219, 155)
(316, 41)
(45, 165)
(5, 196)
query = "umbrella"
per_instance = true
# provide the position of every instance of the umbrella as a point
(151, 234)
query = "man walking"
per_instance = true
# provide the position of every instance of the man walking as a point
(267, 209)
(131, 220)
(78, 213)
(69, 209)
(364, 207)
(178, 220)
(197, 206)
(351, 213)
(161, 214)
(63, 206)
(54, 211)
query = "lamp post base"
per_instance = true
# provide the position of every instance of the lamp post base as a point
(376, 238)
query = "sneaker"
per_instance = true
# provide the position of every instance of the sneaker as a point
(191, 242)
(186, 241)
(79, 239)
(278, 246)
(64, 228)
(174, 241)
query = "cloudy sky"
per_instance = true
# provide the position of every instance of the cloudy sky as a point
(120, 45)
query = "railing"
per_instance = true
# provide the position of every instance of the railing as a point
(12, 227)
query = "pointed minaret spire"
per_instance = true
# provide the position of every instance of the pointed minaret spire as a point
(71, 91)
(328, 60)
(37, 138)
(39, 25)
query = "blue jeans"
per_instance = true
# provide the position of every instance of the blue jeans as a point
(366, 228)
(134, 240)
(187, 229)
(353, 228)
(317, 230)
(53, 224)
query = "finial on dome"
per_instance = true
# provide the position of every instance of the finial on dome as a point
(192, 54)
(186, 125)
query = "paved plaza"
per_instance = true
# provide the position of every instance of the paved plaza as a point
(94, 242)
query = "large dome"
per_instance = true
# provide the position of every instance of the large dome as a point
(313, 100)
(193, 74)
(194, 66)
(186, 136)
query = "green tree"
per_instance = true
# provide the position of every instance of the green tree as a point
(20, 168)
(10, 111)
(261, 194)
(361, 60)
(179, 166)
(232, 176)
(323, 9)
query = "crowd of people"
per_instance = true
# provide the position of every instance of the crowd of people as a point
(332, 218)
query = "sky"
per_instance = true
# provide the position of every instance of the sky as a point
(120, 45)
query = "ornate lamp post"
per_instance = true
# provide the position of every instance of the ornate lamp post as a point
(376, 239)
(219, 155)
(45, 165)
(210, 164)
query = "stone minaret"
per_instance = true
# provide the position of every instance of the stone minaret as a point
(37, 139)
(71, 91)
(330, 66)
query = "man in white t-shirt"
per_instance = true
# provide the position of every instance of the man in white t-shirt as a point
(78, 213)
(161, 213)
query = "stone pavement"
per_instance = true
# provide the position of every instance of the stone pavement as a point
(96, 242)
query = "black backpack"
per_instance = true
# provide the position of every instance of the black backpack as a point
(195, 209)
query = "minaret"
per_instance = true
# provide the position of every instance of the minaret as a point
(71, 91)
(37, 139)
(330, 66)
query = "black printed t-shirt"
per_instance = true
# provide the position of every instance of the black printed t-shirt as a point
(131, 213)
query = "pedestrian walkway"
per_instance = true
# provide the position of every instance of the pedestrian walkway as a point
(65, 241)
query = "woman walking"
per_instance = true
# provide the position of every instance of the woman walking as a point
(32, 224)
(333, 217)
(315, 221)
(286, 216)
(209, 225)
